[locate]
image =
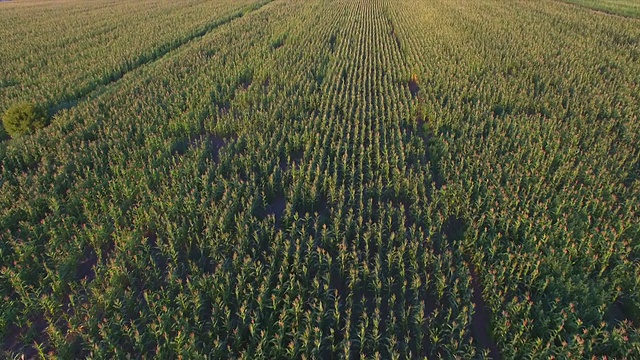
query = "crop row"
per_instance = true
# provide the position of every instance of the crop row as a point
(537, 108)
(372, 179)
(55, 54)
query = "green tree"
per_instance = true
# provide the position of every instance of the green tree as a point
(23, 118)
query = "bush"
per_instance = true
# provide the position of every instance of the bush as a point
(23, 118)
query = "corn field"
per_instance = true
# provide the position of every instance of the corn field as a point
(348, 179)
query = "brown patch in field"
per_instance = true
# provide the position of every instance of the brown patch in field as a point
(276, 208)
(152, 241)
(213, 143)
(622, 310)
(414, 88)
(151, 237)
(13, 341)
(224, 107)
(432, 145)
(332, 43)
(180, 147)
(429, 309)
(615, 314)
(480, 323)
(283, 165)
(454, 228)
(292, 160)
(86, 269)
(322, 208)
(216, 143)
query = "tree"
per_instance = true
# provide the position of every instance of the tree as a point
(23, 118)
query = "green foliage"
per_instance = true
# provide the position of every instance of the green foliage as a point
(399, 179)
(131, 35)
(630, 8)
(23, 118)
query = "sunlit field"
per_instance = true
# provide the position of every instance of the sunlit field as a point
(382, 179)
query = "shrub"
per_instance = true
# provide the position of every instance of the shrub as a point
(23, 118)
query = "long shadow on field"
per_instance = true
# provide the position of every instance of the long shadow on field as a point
(481, 318)
(432, 144)
(14, 341)
(454, 230)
